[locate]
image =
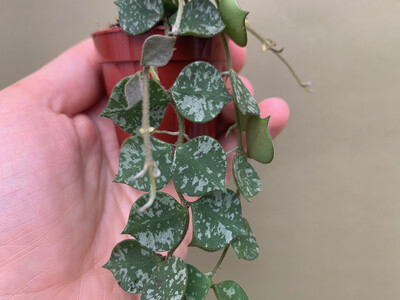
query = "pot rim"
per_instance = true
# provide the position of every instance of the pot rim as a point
(117, 29)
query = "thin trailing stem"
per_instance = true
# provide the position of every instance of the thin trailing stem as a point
(149, 163)
(221, 259)
(237, 118)
(175, 28)
(171, 133)
(268, 44)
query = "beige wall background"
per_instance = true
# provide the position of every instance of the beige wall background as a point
(328, 220)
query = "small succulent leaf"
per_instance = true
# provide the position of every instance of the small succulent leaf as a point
(157, 50)
(198, 284)
(160, 227)
(234, 18)
(130, 120)
(132, 158)
(134, 90)
(258, 140)
(199, 167)
(229, 290)
(138, 16)
(169, 281)
(132, 265)
(246, 178)
(199, 92)
(200, 18)
(244, 100)
(246, 246)
(170, 6)
(217, 219)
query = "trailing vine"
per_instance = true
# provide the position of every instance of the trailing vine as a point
(197, 166)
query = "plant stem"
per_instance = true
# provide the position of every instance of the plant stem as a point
(175, 28)
(268, 44)
(149, 163)
(221, 259)
(237, 118)
(181, 123)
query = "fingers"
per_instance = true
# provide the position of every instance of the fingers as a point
(238, 56)
(69, 84)
(279, 111)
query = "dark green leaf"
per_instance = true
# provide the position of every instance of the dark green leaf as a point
(244, 100)
(198, 284)
(217, 219)
(234, 18)
(258, 140)
(199, 92)
(169, 281)
(229, 290)
(246, 246)
(160, 227)
(134, 91)
(199, 167)
(157, 50)
(169, 6)
(200, 18)
(132, 265)
(138, 16)
(195, 243)
(246, 178)
(131, 162)
(130, 120)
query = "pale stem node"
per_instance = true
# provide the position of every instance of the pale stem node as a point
(175, 28)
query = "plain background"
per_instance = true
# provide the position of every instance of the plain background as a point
(328, 219)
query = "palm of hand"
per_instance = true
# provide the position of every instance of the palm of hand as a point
(61, 214)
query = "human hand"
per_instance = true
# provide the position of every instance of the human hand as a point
(60, 213)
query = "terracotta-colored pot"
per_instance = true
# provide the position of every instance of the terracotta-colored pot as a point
(120, 57)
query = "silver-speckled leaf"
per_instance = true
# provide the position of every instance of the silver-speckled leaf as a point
(258, 140)
(229, 290)
(244, 100)
(132, 265)
(246, 246)
(131, 162)
(138, 16)
(199, 92)
(134, 90)
(130, 120)
(217, 219)
(169, 281)
(246, 178)
(199, 167)
(198, 284)
(160, 227)
(157, 50)
(200, 18)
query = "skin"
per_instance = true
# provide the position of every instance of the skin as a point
(61, 215)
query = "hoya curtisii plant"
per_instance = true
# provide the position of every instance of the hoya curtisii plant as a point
(197, 167)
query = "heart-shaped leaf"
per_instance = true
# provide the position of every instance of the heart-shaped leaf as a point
(258, 140)
(134, 91)
(160, 227)
(138, 16)
(132, 158)
(157, 50)
(246, 178)
(199, 167)
(244, 100)
(168, 281)
(130, 119)
(198, 284)
(229, 290)
(195, 243)
(217, 219)
(200, 18)
(246, 246)
(234, 18)
(132, 265)
(199, 92)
